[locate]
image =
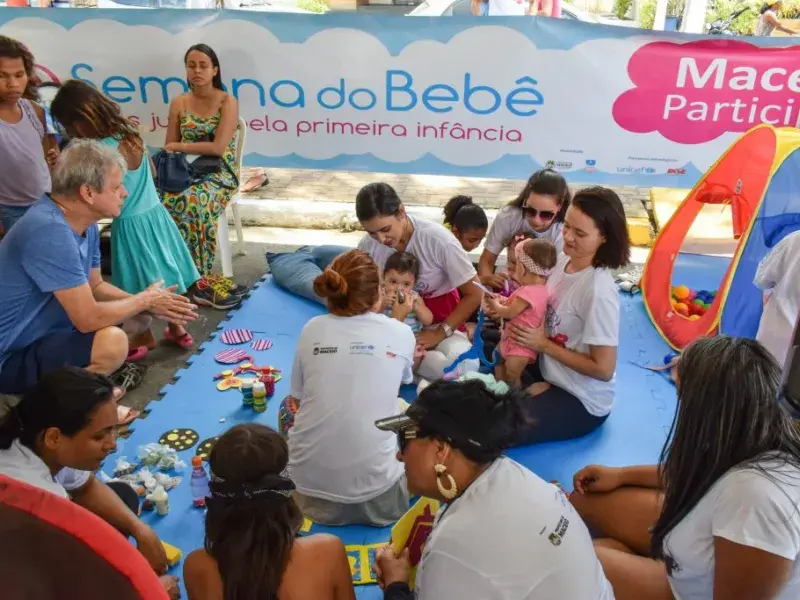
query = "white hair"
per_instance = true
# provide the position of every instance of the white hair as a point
(84, 162)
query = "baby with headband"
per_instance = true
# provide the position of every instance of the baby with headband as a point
(535, 258)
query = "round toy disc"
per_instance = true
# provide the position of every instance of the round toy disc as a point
(231, 357)
(204, 447)
(179, 439)
(261, 344)
(236, 336)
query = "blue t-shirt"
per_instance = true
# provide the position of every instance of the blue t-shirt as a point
(41, 254)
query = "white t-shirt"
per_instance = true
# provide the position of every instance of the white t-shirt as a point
(443, 264)
(21, 463)
(510, 221)
(347, 373)
(780, 272)
(510, 535)
(745, 507)
(507, 7)
(584, 311)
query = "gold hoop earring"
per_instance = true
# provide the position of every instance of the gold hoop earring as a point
(441, 472)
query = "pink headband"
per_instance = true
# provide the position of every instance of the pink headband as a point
(529, 263)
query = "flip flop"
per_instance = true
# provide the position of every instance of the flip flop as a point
(137, 354)
(184, 341)
(125, 415)
(255, 182)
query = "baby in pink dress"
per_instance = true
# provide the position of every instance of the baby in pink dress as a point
(526, 306)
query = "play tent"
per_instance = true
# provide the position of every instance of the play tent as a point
(759, 176)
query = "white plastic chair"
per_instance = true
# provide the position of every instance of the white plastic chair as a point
(222, 224)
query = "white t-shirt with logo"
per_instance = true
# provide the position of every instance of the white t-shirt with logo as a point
(779, 272)
(498, 8)
(443, 264)
(510, 221)
(745, 507)
(510, 535)
(584, 311)
(347, 373)
(21, 463)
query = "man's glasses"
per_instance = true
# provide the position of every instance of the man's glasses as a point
(544, 215)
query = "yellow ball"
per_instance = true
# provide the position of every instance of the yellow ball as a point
(694, 317)
(681, 292)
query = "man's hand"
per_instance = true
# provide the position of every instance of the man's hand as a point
(170, 583)
(164, 304)
(430, 338)
(151, 548)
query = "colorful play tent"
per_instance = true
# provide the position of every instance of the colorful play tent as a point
(759, 176)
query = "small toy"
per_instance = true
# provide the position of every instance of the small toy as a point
(199, 482)
(259, 397)
(159, 456)
(230, 382)
(179, 439)
(173, 554)
(230, 377)
(691, 304)
(236, 336)
(247, 391)
(205, 447)
(261, 345)
(160, 498)
(232, 356)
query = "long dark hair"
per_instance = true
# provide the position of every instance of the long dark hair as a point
(463, 214)
(767, 6)
(65, 399)
(727, 418)
(251, 540)
(546, 182)
(11, 48)
(78, 102)
(216, 81)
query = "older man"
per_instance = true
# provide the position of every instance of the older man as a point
(56, 308)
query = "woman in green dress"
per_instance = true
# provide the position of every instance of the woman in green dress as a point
(203, 122)
(146, 246)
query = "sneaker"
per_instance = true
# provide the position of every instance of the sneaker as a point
(226, 284)
(128, 377)
(214, 296)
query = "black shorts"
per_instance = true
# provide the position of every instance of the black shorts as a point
(23, 368)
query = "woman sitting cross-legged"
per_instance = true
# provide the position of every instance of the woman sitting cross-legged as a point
(503, 532)
(718, 518)
(252, 550)
(573, 380)
(58, 435)
(348, 368)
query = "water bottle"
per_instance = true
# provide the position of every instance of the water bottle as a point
(199, 482)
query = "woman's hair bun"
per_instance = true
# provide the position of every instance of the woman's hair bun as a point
(330, 284)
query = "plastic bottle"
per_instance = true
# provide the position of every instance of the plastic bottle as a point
(160, 498)
(259, 397)
(247, 391)
(199, 482)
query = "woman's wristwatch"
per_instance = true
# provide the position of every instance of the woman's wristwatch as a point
(448, 331)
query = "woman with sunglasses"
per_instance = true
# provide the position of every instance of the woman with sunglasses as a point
(539, 209)
(574, 376)
(502, 532)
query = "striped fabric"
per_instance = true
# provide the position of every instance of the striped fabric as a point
(236, 336)
(261, 345)
(232, 356)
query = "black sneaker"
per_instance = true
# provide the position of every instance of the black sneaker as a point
(228, 285)
(214, 297)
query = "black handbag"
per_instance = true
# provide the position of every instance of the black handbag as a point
(174, 172)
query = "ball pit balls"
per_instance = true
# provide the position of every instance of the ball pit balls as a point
(682, 309)
(694, 317)
(681, 293)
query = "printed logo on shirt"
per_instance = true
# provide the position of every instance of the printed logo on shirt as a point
(560, 531)
(325, 350)
(359, 348)
(391, 354)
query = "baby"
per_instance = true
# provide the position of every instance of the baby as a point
(527, 305)
(511, 263)
(401, 302)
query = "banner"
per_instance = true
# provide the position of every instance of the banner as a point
(481, 97)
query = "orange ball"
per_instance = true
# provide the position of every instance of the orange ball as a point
(682, 309)
(681, 292)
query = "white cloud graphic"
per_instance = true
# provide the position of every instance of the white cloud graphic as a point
(574, 124)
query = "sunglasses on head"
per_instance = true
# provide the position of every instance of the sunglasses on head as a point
(544, 215)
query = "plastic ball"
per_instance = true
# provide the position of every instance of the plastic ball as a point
(692, 294)
(682, 309)
(681, 292)
(694, 317)
(669, 357)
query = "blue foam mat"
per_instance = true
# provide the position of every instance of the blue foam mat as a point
(633, 434)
